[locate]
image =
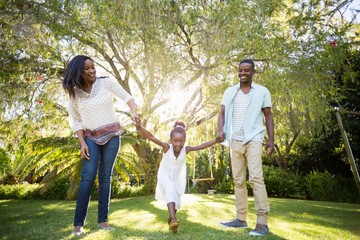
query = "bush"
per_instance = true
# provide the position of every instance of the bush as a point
(19, 191)
(203, 186)
(225, 186)
(120, 189)
(327, 187)
(220, 166)
(202, 171)
(124, 190)
(57, 190)
(281, 183)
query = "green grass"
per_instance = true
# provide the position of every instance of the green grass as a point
(145, 218)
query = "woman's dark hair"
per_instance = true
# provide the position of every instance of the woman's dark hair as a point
(73, 74)
(179, 127)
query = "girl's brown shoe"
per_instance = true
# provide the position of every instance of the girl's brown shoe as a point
(174, 224)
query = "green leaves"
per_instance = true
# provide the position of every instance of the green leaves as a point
(154, 47)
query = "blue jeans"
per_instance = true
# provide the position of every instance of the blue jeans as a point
(102, 159)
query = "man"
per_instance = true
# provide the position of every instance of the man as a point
(244, 108)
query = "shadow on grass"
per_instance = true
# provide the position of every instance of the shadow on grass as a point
(195, 222)
(133, 218)
(34, 219)
(341, 216)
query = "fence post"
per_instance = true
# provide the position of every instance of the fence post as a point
(348, 149)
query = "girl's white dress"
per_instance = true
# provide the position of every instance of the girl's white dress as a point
(171, 181)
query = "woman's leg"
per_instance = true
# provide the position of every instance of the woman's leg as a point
(88, 174)
(108, 154)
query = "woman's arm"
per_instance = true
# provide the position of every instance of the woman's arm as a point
(134, 116)
(84, 147)
(76, 126)
(115, 88)
(148, 135)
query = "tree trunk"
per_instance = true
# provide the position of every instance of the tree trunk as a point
(152, 158)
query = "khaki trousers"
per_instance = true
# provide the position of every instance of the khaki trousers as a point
(249, 156)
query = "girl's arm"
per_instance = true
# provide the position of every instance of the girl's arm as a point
(152, 138)
(204, 145)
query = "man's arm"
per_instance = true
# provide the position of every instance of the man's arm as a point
(269, 122)
(221, 121)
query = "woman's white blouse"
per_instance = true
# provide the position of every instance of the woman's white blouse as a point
(96, 109)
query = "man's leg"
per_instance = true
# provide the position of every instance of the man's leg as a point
(256, 179)
(238, 166)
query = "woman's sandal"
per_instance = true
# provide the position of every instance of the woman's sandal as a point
(174, 224)
(78, 231)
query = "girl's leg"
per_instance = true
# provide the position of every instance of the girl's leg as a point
(109, 153)
(88, 174)
(173, 222)
(172, 211)
(169, 218)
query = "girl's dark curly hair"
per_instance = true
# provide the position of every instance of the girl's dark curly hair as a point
(179, 127)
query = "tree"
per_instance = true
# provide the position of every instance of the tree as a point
(157, 45)
(37, 144)
(302, 81)
(154, 48)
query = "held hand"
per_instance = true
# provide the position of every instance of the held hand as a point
(138, 124)
(219, 139)
(220, 136)
(85, 152)
(269, 147)
(136, 119)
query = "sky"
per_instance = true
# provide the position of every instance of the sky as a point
(352, 10)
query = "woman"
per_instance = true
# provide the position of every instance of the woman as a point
(93, 119)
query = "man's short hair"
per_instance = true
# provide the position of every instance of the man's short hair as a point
(249, 61)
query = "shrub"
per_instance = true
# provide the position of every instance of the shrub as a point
(281, 183)
(225, 186)
(327, 187)
(202, 171)
(57, 190)
(19, 191)
(203, 186)
(120, 189)
(125, 190)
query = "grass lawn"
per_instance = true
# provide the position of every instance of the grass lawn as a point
(145, 218)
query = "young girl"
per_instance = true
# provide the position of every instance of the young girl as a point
(172, 171)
